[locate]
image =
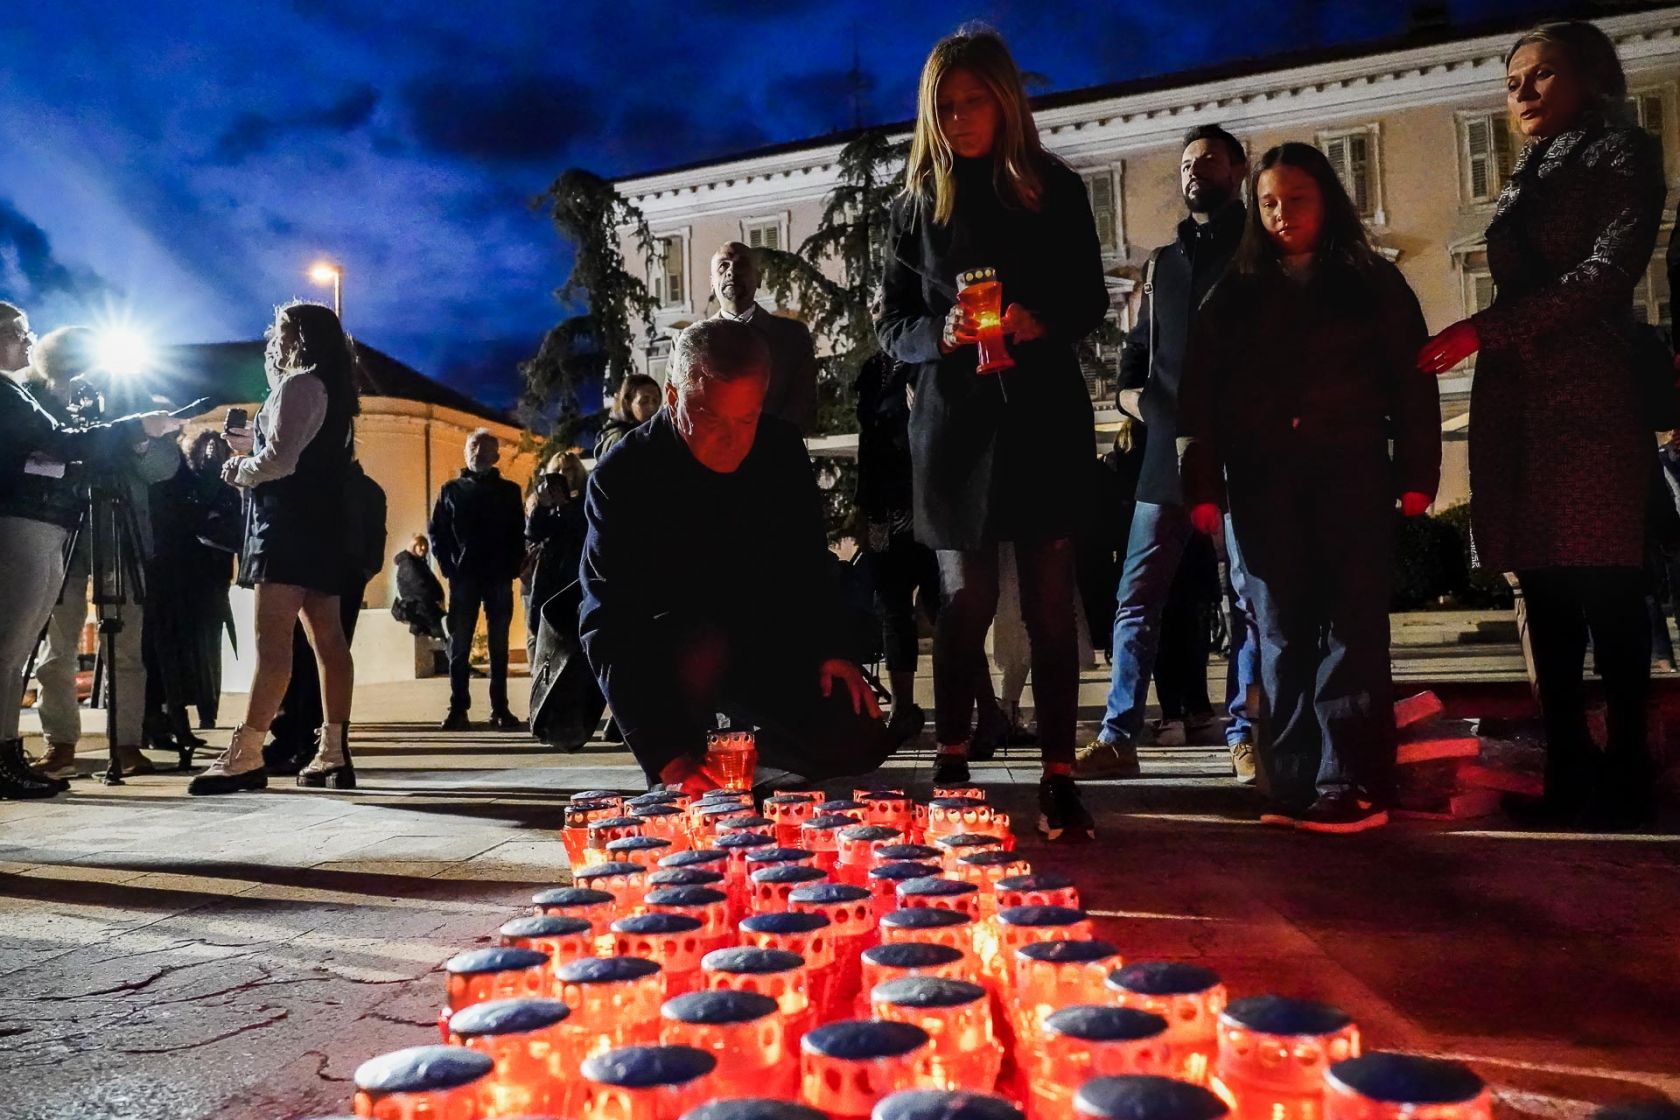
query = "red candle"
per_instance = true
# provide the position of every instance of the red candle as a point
(886, 808)
(487, 974)
(809, 935)
(958, 844)
(957, 1017)
(1047, 888)
(626, 882)
(1022, 925)
(561, 938)
(676, 942)
(771, 886)
(822, 836)
(708, 904)
(1141, 1097)
(644, 850)
(1273, 1054)
(1078, 1043)
(745, 822)
(897, 961)
(739, 845)
(445, 1082)
(535, 1062)
(1055, 974)
(698, 859)
(974, 793)
(666, 822)
(1379, 1086)
(981, 294)
(883, 881)
(939, 893)
(948, 816)
(772, 972)
(856, 850)
(945, 1104)
(847, 1067)
(927, 926)
(790, 812)
(596, 907)
(576, 819)
(744, 1031)
(760, 858)
(647, 1083)
(603, 832)
(985, 869)
(1190, 998)
(731, 757)
(851, 915)
(614, 1001)
(905, 853)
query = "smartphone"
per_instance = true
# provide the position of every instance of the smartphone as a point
(236, 418)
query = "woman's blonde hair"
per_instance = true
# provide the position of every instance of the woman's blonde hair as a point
(1017, 154)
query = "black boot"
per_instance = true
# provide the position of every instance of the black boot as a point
(17, 781)
(332, 764)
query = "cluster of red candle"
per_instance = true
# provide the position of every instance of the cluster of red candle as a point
(868, 957)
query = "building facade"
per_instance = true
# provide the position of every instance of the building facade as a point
(1418, 132)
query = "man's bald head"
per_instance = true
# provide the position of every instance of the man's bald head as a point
(735, 276)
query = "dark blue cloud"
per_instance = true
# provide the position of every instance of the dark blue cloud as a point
(253, 133)
(499, 118)
(27, 261)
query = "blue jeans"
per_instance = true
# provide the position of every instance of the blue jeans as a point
(1242, 669)
(1153, 551)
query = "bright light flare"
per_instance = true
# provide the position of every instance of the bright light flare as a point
(324, 273)
(124, 351)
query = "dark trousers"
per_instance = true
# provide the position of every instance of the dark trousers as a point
(900, 571)
(969, 583)
(1565, 605)
(1315, 536)
(1182, 663)
(466, 595)
(300, 710)
(676, 676)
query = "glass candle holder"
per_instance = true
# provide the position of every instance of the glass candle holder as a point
(930, 926)
(1054, 974)
(1189, 997)
(754, 1108)
(906, 853)
(972, 792)
(1018, 926)
(603, 832)
(883, 881)
(847, 1067)
(646, 1083)
(575, 821)
(957, 1017)
(1142, 1097)
(851, 916)
(886, 808)
(657, 797)
(1077, 1043)
(676, 942)
(704, 813)
(1043, 888)
(614, 1001)
(558, 937)
(981, 294)
(698, 859)
(535, 1063)
(954, 846)
(644, 850)
(846, 807)
(626, 882)
(811, 936)
(610, 796)
(744, 1031)
(948, 816)
(422, 1083)
(790, 812)
(684, 877)
(731, 758)
(745, 822)
(1382, 1086)
(772, 972)
(738, 845)
(1273, 1054)
(666, 822)
(709, 905)
(486, 974)
(769, 887)
(985, 869)
(903, 959)
(856, 850)
(597, 907)
(821, 834)
(945, 1104)
(938, 893)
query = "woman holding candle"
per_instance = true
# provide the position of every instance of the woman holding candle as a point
(997, 456)
(1301, 369)
(1560, 457)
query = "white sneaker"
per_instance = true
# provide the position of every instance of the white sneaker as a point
(1167, 733)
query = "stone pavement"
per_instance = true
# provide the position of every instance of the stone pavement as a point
(162, 957)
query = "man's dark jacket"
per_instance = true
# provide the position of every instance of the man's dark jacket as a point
(27, 427)
(1185, 271)
(478, 528)
(792, 395)
(671, 542)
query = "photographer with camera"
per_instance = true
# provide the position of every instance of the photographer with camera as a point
(42, 502)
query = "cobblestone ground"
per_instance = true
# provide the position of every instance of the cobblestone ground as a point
(162, 957)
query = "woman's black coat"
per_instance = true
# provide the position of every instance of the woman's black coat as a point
(997, 457)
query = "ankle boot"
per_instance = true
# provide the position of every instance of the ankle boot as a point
(17, 781)
(332, 764)
(240, 767)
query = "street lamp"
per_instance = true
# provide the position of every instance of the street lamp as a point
(324, 273)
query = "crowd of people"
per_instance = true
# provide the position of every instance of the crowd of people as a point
(1281, 413)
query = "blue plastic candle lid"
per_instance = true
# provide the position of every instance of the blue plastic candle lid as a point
(1102, 1023)
(746, 840)
(788, 922)
(912, 954)
(1040, 916)
(718, 1008)
(780, 855)
(683, 877)
(1407, 1079)
(607, 870)
(605, 970)
(654, 797)
(422, 1069)
(968, 840)
(695, 857)
(655, 809)
(790, 799)
(988, 857)
(503, 959)
(570, 896)
(788, 873)
(862, 1040)
(1068, 952)
(748, 821)
(685, 896)
(828, 894)
(1041, 881)
(908, 853)
(644, 1067)
(614, 822)
(1163, 978)
(925, 917)
(950, 803)
(753, 1108)
(871, 833)
(1281, 1015)
(545, 925)
(751, 961)
(898, 872)
(656, 924)
(926, 991)
(943, 1104)
(587, 806)
(636, 843)
(838, 805)
(597, 795)
(1146, 1098)
(507, 1016)
(932, 886)
(828, 822)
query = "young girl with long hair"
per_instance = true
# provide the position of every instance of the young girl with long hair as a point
(1301, 370)
(996, 457)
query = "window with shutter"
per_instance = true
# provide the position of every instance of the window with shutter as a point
(764, 234)
(670, 280)
(1646, 110)
(1486, 143)
(1353, 155)
(1100, 187)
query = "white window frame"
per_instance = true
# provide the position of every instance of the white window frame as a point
(777, 222)
(1664, 94)
(1462, 121)
(655, 270)
(1375, 214)
(1115, 173)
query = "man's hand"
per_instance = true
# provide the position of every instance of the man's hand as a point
(686, 775)
(1207, 519)
(1131, 403)
(239, 439)
(549, 491)
(839, 669)
(159, 424)
(960, 330)
(1449, 348)
(1414, 504)
(1022, 324)
(230, 470)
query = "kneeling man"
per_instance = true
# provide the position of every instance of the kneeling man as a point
(706, 580)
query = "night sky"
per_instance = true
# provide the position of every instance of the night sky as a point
(180, 164)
